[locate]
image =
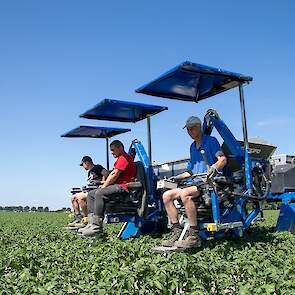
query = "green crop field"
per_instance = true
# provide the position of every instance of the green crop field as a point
(39, 257)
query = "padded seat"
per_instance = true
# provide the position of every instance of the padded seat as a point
(134, 201)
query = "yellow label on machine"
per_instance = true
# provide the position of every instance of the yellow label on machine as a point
(211, 227)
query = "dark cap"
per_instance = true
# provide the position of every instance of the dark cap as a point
(86, 159)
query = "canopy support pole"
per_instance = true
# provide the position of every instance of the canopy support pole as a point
(107, 152)
(148, 120)
(246, 143)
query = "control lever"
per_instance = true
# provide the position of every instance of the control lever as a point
(206, 161)
(206, 197)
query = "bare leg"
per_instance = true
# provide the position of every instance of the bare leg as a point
(168, 198)
(75, 204)
(83, 203)
(187, 195)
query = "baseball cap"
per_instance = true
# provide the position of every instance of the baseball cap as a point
(86, 159)
(192, 121)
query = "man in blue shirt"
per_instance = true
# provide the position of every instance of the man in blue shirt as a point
(197, 164)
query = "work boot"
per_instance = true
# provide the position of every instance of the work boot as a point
(89, 222)
(176, 232)
(80, 224)
(94, 228)
(76, 220)
(81, 229)
(193, 240)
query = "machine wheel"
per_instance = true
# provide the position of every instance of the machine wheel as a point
(261, 185)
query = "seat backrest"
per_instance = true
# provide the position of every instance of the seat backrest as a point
(142, 178)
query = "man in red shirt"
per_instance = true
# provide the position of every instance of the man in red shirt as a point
(124, 171)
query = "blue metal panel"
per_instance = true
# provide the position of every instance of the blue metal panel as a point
(286, 220)
(143, 157)
(193, 82)
(285, 198)
(122, 111)
(95, 132)
(215, 207)
(248, 171)
(130, 231)
(251, 217)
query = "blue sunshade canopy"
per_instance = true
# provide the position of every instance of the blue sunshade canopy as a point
(95, 132)
(122, 111)
(193, 82)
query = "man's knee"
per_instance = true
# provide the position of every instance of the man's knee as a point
(98, 193)
(74, 198)
(169, 196)
(185, 197)
(82, 199)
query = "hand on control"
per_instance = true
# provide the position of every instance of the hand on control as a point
(212, 172)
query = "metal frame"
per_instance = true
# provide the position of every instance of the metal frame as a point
(248, 173)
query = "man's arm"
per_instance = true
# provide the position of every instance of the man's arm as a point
(112, 177)
(221, 159)
(221, 162)
(217, 166)
(183, 175)
(105, 173)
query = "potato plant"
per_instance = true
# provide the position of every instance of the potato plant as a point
(39, 257)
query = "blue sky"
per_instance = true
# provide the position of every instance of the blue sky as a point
(60, 58)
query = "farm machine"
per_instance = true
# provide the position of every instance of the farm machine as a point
(233, 200)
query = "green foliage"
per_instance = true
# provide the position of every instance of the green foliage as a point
(39, 257)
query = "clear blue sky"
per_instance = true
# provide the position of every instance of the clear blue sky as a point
(60, 58)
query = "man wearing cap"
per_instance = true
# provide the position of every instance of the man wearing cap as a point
(124, 171)
(197, 164)
(96, 175)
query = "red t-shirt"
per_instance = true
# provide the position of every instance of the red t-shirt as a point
(127, 167)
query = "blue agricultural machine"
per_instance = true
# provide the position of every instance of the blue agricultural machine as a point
(233, 200)
(236, 197)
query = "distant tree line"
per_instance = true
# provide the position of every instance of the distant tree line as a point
(24, 209)
(30, 209)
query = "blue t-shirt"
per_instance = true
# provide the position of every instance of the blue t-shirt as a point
(212, 150)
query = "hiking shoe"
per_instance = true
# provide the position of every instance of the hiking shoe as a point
(81, 229)
(176, 232)
(94, 228)
(191, 241)
(80, 224)
(74, 222)
(72, 225)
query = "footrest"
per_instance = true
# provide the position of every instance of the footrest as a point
(214, 227)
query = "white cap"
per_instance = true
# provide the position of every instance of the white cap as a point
(192, 121)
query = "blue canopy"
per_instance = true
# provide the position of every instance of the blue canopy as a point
(193, 82)
(122, 111)
(95, 132)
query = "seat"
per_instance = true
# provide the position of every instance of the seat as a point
(75, 190)
(136, 200)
